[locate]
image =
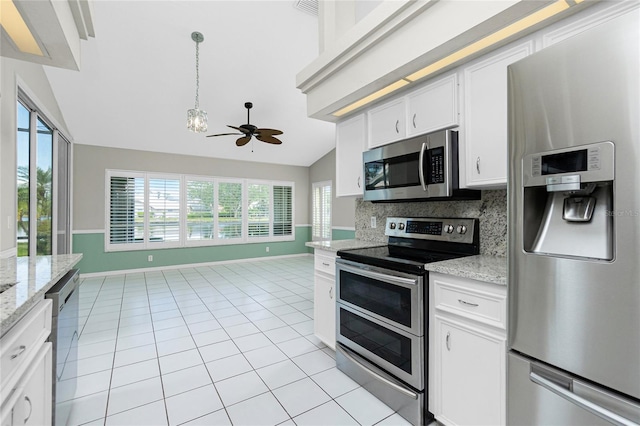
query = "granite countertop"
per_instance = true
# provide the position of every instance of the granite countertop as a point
(24, 280)
(336, 245)
(491, 269)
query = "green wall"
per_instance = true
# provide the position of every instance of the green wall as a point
(342, 234)
(95, 259)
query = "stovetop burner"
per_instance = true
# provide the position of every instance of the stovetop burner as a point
(415, 242)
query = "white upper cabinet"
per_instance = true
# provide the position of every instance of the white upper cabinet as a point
(484, 133)
(433, 107)
(387, 123)
(351, 137)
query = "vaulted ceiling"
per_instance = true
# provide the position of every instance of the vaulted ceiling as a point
(137, 78)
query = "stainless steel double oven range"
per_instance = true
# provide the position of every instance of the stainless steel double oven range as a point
(382, 308)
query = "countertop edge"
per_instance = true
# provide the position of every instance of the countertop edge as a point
(490, 269)
(337, 245)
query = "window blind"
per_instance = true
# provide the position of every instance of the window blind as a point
(126, 212)
(321, 211)
(282, 210)
(229, 210)
(164, 210)
(258, 210)
(200, 214)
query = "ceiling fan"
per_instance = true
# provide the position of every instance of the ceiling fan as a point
(249, 130)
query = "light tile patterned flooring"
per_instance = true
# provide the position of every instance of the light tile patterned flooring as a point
(217, 345)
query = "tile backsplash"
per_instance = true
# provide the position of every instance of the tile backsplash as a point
(491, 210)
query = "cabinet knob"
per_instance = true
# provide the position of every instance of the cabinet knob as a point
(448, 341)
(478, 165)
(397, 124)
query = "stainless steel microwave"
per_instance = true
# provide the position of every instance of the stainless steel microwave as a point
(420, 168)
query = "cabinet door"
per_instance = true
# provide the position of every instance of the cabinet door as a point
(387, 123)
(351, 138)
(434, 107)
(324, 310)
(470, 378)
(30, 404)
(485, 115)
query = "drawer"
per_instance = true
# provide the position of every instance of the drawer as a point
(20, 344)
(325, 263)
(473, 301)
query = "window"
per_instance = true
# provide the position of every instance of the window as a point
(148, 211)
(200, 213)
(126, 212)
(164, 210)
(259, 210)
(42, 184)
(282, 210)
(321, 220)
(230, 210)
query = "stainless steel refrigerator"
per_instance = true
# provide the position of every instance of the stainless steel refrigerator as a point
(574, 230)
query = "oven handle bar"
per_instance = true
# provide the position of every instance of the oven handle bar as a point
(377, 376)
(378, 276)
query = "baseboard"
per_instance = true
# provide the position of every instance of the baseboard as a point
(189, 265)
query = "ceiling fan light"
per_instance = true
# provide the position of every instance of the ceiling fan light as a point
(197, 120)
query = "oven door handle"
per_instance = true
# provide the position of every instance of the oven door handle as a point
(378, 276)
(421, 166)
(377, 376)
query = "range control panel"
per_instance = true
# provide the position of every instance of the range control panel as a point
(459, 230)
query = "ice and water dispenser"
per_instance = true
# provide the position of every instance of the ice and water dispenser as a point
(568, 201)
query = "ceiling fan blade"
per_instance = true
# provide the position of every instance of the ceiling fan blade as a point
(243, 141)
(224, 134)
(269, 132)
(240, 129)
(268, 139)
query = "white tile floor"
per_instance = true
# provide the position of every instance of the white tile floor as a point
(219, 345)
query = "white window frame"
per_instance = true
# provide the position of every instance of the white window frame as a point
(183, 212)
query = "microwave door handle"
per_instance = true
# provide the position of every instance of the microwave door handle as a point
(421, 166)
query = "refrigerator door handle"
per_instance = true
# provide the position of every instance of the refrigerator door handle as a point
(584, 403)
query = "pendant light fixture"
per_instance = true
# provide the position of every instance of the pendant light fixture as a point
(197, 118)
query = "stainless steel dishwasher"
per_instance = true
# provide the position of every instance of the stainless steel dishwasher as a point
(64, 336)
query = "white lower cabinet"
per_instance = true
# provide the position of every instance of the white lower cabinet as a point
(324, 298)
(467, 381)
(26, 376)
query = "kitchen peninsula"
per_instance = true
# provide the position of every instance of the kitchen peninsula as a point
(25, 280)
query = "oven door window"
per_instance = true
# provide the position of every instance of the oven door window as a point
(381, 341)
(384, 299)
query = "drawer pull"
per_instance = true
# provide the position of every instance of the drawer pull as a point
(26, 398)
(448, 341)
(20, 351)
(464, 302)
(325, 264)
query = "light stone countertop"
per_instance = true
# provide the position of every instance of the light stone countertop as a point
(491, 269)
(25, 280)
(337, 245)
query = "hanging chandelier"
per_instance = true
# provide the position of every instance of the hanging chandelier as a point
(197, 118)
